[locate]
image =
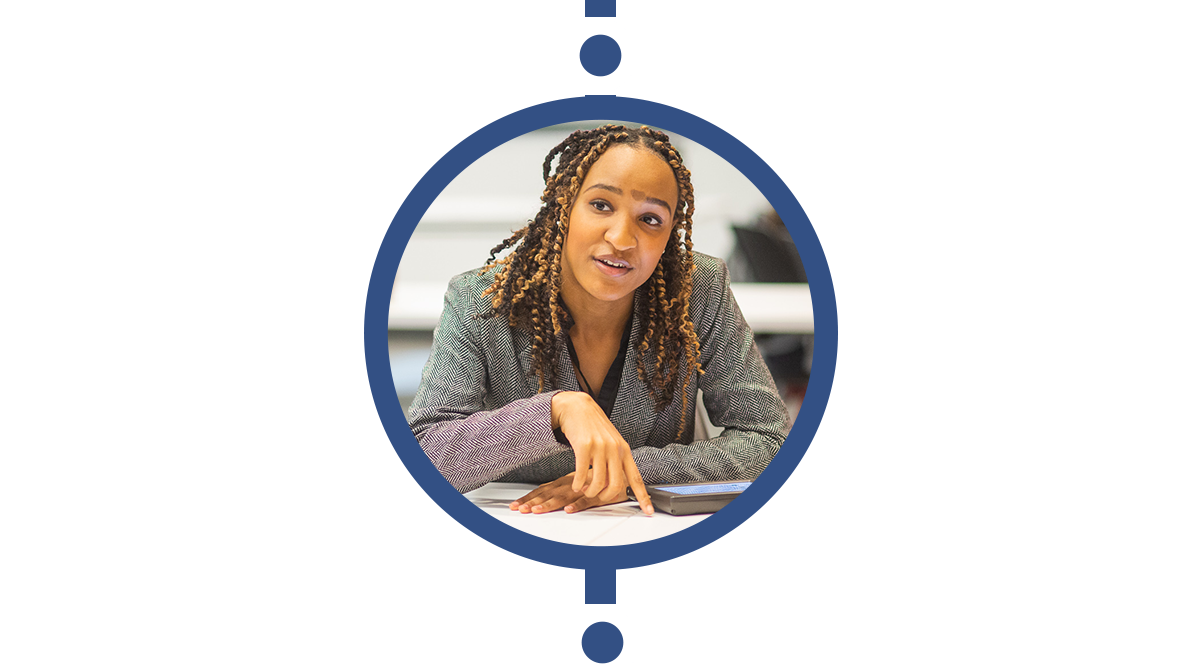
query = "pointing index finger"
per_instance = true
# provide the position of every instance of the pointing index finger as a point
(639, 488)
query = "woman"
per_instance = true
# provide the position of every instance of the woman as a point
(574, 360)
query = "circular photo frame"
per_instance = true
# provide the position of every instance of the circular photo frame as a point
(599, 559)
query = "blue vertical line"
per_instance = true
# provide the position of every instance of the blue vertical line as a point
(600, 586)
(599, 8)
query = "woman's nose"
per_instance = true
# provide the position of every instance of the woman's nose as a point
(621, 234)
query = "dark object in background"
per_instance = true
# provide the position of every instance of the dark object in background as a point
(766, 252)
(769, 257)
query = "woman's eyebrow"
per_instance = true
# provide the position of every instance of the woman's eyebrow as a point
(600, 185)
(636, 194)
(660, 202)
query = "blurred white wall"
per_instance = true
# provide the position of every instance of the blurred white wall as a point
(502, 190)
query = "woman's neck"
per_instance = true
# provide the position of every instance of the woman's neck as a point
(596, 317)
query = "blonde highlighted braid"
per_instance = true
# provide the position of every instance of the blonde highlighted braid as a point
(527, 283)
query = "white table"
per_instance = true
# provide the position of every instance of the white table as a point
(618, 524)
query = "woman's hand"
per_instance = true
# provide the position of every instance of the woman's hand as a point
(597, 446)
(559, 494)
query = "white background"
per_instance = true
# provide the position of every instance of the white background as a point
(193, 196)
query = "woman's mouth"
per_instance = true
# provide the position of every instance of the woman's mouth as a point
(612, 266)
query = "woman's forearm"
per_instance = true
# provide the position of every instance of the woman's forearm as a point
(731, 456)
(473, 449)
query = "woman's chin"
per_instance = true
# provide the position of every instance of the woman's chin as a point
(607, 292)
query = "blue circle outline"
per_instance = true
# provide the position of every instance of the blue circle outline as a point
(383, 275)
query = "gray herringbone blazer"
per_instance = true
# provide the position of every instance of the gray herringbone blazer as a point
(479, 417)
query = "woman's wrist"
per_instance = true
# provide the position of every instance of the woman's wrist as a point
(563, 402)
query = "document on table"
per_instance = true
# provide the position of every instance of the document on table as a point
(618, 524)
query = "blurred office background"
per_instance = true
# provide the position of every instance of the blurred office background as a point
(501, 192)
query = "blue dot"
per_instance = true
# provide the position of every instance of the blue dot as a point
(600, 55)
(602, 642)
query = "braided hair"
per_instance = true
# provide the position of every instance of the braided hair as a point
(527, 283)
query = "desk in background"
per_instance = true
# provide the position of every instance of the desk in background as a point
(618, 524)
(768, 308)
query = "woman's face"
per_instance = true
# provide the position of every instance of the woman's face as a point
(619, 225)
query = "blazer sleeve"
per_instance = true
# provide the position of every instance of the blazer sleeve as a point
(469, 445)
(739, 395)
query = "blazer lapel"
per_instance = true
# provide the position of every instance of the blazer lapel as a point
(565, 371)
(633, 412)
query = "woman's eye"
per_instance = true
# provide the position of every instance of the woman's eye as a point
(652, 220)
(602, 206)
